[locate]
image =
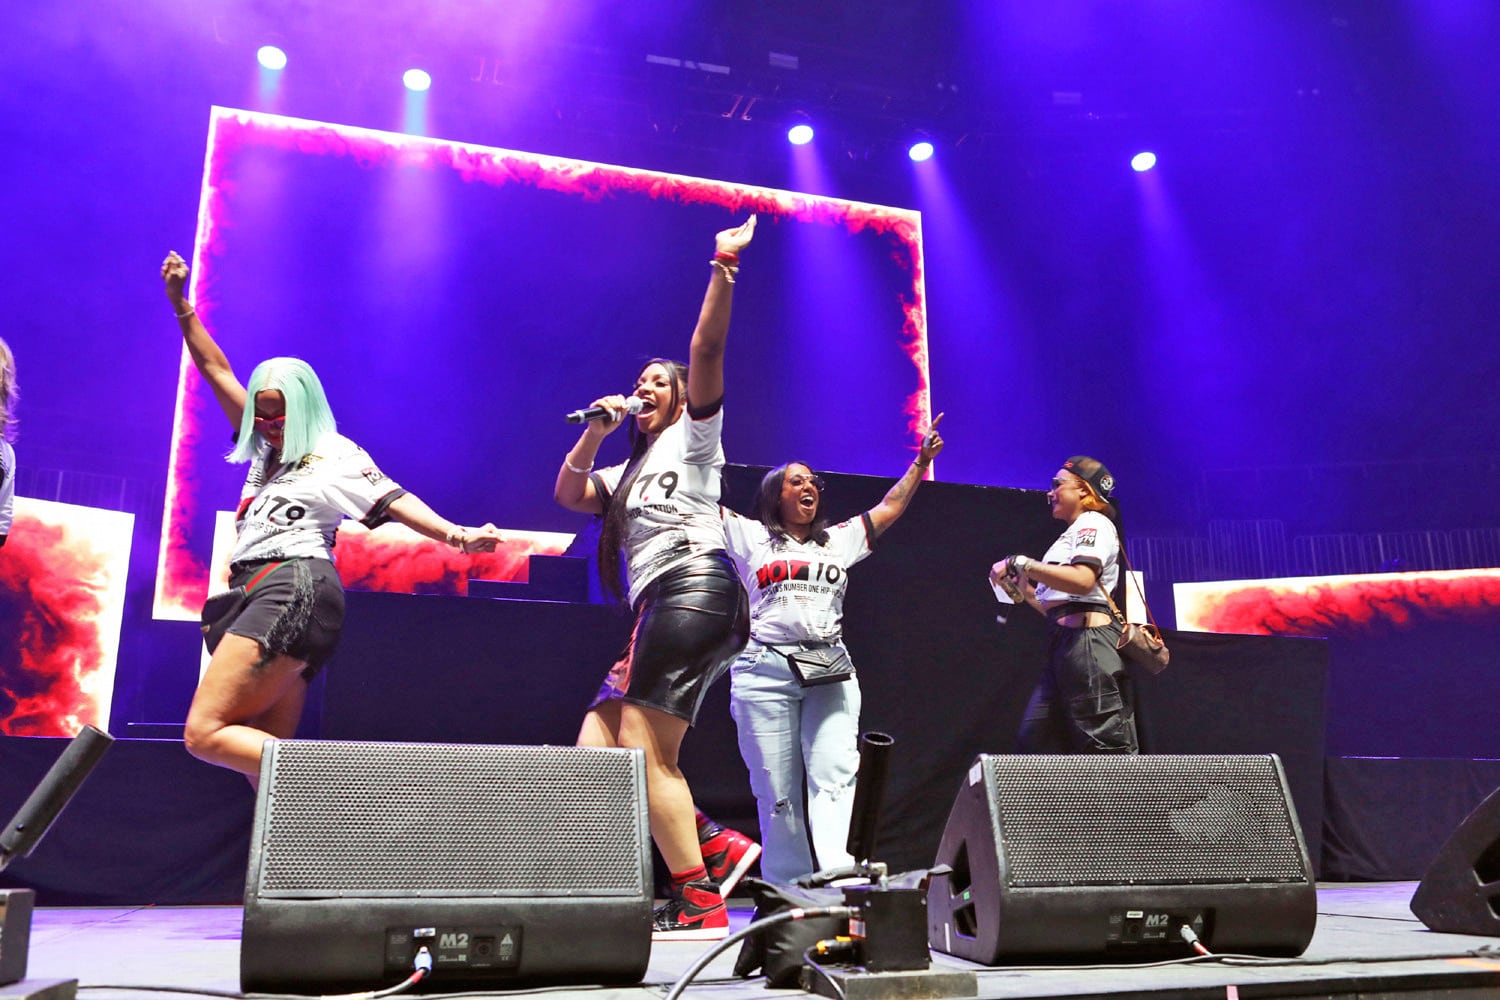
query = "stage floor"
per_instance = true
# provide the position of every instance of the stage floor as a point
(1367, 944)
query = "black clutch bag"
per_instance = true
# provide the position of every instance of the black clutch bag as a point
(219, 612)
(823, 665)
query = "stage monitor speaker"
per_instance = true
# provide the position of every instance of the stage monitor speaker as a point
(15, 933)
(1060, 856)
(510, 865)
(1460, 892)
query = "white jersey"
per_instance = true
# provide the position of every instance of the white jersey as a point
(1091, 540)
(672, 512)
(7, 486)
(294, 512)
(796, 588)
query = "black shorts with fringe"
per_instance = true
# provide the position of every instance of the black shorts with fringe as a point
(294, 608)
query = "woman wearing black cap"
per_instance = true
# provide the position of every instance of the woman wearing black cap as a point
(1079, 705)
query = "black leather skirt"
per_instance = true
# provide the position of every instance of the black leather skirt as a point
(690, 623)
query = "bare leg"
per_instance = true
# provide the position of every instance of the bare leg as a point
(601, 725)
(282, 718)
(670, 801)
(241, 702)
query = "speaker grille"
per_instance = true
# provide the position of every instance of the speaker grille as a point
(381, 819)
(1155, 820)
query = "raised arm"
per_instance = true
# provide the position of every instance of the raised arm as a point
(898, 497)
(706, 354)
(211, 362)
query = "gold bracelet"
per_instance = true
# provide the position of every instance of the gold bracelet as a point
(185, 315)
(573, 468)
(725, 269)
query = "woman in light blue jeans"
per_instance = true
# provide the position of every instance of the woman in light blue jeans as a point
(800, 737)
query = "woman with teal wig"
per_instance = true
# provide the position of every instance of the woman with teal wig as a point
(8, 396)
(271, 632)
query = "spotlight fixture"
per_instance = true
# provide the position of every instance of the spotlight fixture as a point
(416, 80)
(920, 151)
(800, 134)
(1142, 162)
(270, 57)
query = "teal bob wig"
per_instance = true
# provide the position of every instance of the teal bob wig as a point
(307, 414)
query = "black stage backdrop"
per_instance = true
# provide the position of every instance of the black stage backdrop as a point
(939, 673)
(149, 825)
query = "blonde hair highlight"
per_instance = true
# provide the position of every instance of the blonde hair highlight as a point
(10, 394)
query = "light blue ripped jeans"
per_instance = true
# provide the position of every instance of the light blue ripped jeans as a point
(790, 737)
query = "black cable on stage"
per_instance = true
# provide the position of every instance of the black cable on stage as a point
(1488, 951)
(824, 948)
(785, 916)
(421, 969)
(203, 992)
(1259, 961)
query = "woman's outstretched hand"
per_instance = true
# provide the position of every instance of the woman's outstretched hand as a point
(174, 272)
(485, 538)
(932, 441)
(736, 239)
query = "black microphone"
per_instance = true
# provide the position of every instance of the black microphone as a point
(32, 820)
(633, 405)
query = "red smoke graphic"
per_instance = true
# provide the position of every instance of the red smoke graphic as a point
(182, 579)
(583, 179)
(48, 616)
(1350, 605)
(405, 563)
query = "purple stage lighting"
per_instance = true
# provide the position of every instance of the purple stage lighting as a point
(920, 151)
(416, 80)
(799, 135)
(270, 57)
(1142, 162)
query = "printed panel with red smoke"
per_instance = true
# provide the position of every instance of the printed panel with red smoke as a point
(1411, 656)
(395, 559)
(1365, 604)
(456, 300)
(62, 599)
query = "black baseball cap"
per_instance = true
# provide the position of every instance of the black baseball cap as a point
(1093, 472)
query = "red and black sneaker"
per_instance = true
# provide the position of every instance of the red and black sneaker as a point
(727, 854)
(698, 914)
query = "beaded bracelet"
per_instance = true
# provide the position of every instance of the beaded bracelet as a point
(727, 270)
(185, 315)
(573, 468)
